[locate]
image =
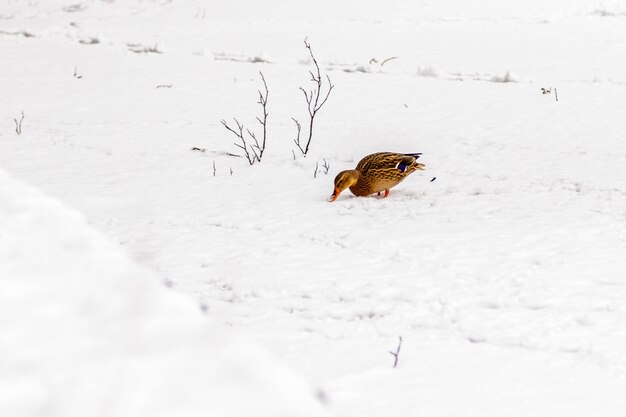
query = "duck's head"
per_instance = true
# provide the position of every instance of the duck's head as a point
(344, 180)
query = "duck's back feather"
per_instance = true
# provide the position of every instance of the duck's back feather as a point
(383, 170)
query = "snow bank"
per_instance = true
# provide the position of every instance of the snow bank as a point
(85, 332)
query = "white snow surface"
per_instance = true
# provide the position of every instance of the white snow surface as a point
(505, 275)
(87, 332)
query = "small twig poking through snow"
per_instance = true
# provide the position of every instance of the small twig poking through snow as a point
(214, 170)
(294, 154)
(313, 100)
(231, 171)
(253, 152)
(164, 86)
(326, 167)
(397, 352)
(546, 90)
(142, 49)
(18, 125)
(263, 102)
(387, 60)
(297, 139)
(556, 95)
(18, 33)
(198, 149)
(76, 75)
(239, 134)
(316, 167)
(375, 61)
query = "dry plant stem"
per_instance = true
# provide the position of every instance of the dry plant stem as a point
(326, 167)
(18, 125)
(396, 354)
(253, 152)
(297, 139)
(239, 134)
(316, 167)
(214, 170)
(263, 103)
(313, 99)
(387, 60)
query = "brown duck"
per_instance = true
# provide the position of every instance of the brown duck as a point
(376, 173)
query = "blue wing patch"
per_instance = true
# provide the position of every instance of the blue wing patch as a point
(401, 167)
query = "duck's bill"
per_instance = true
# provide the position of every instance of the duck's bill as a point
(420, 166)
(334, 196)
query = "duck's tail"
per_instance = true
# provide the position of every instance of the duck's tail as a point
(410, 163)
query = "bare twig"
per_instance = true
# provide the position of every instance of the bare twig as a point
(231, 171)
(164, 86)
(142, 49)
(396, 354)
(214, 170)
(387, 60)
(18, 125)
(263, 102)
(76, 74)
(556, 95)
(294, 154)
(326, 167)
(297, 139)
(316, 167)
(314, 100)
(239, 133)
(253, 152)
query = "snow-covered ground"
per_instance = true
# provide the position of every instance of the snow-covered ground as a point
(505, 276)
(87, 332)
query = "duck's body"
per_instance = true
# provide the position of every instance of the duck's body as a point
(376, 173)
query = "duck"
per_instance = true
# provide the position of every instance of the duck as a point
(376, 173)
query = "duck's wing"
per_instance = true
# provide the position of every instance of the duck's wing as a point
(387, 161)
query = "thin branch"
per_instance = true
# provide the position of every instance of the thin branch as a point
(396, 354)
(214, 170)
(326, 167)
(297, 139)
(314, 99)
(239, 134)
(253, 152)
(387, 60)
(263, 103)
(330, 87)
(18, 125)
(316, 167)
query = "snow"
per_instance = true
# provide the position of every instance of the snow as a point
(85, 331)
(504, 275)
